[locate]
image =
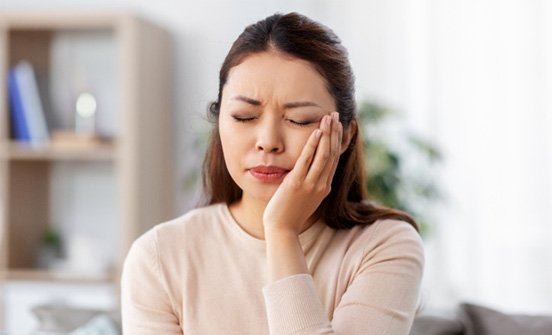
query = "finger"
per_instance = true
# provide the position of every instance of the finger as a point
(327, 173)
(335, 161)
(322, 154)
(335, 134)
(307, 154)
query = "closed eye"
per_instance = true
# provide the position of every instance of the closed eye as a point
(243, 118)
(300, 123)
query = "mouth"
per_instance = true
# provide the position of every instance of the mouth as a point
(268, 173)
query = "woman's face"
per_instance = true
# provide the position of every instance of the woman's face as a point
(270, 105)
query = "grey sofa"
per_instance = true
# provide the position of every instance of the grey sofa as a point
(472, 319)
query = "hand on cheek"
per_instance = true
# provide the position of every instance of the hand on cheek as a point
(304, 188)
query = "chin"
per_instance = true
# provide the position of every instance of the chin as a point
(261, 193)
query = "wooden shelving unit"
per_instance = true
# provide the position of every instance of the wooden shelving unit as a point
(53, 276)
(138, 159)
(23, 152)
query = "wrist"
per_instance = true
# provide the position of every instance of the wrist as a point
(280, 234)
(284, 253)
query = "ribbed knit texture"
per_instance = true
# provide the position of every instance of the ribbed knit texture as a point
(292, 306)
(202, 274)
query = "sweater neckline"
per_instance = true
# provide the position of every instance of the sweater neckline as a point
(305, 238)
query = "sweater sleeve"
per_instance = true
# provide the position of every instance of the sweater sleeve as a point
(145, 302)
(381, 298)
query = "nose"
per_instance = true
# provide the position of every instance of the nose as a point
(269, 137)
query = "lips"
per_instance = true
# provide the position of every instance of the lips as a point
(268, 173)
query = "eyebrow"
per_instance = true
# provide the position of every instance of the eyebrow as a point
(247, 100)
(288, 105)
(297, 104)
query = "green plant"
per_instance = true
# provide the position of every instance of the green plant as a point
(52, 239)
(396, 178)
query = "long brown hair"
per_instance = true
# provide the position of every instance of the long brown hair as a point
(347, 204)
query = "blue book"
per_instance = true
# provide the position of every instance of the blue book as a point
(32, 104)
(18, 120)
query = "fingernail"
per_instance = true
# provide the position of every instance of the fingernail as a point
(335, 116)
(317, 133)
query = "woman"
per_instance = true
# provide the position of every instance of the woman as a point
(288, 243)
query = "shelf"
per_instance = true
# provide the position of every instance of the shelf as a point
(51, 276)
(101, 192)
(52, 152)
(64, 20)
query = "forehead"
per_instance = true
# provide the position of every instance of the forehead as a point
(275, 75)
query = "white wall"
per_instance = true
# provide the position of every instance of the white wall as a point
(492, 113)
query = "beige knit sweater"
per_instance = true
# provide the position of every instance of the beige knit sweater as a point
(202, 274)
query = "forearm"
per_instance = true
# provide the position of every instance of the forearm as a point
(293, 306)
(285, 256)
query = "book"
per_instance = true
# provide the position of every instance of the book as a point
(27, 110)
(18, 122)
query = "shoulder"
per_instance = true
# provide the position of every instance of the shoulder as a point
(385, 241)
(398, 235)
(391, 234)
(186, 227)
(391, 231)
(392, 244)
(383, 233)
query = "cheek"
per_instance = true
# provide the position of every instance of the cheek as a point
(233, 146)
(296, 142)
(227, 142)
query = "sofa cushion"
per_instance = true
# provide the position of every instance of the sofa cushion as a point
(56, 318)
(100, 325)
(481, 320)
(436, 325)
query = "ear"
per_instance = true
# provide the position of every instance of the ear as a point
(348, 134)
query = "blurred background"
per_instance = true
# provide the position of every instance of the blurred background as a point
(472, 79)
